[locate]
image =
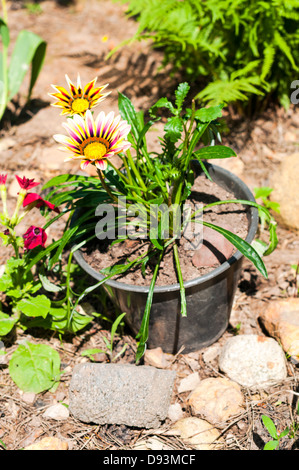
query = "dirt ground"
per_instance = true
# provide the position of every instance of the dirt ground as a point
(79, 36)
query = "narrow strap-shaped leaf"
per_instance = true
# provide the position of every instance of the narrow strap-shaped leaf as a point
(115, 325)
(108, 273)
(144, 329)
(41, 255)
(36, 65)
(243, 246)
(214, 151)
(4, 32)
(204, 169)
(68, 179)
(272, 223)
(181, 282)
(127, 112)
(29, 50)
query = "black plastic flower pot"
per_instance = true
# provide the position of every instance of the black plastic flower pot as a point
(209, 297)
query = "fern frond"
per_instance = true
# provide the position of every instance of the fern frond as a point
(269, 55)
(245, 70)
(246, 42)
(226, 92)
(283, 46)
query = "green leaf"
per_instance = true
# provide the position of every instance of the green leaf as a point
(5, 282)
(209, 114)
(35, 368)
(173, 129)
(243, 246)
(69, 180)
(272, 223)
(270, 426)
(90, 352)
(78, 321)
(41, 254)
(29, 50)
(38, 306)
(260, 246)
(4, 32)
(214, 151)
(262, 192)
(142, 334)
(48, 285)
(2, 443)
(284, 433)
(271, 445)
(6, 323)
(57, 318)
(128, 113)
(181, 282)
(115, 325)
(161, 103)
(180, 95)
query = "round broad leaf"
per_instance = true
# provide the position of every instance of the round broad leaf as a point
(35, 368)
(38, 306)
(6, 324)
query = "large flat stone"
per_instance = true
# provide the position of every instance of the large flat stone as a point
(281, 320)
(137, 396)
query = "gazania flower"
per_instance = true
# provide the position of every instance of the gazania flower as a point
(77, 100)
(26, 183)
(93, 141)
(34, 236)
(37, 201)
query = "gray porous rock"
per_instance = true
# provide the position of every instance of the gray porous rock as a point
(137, 396)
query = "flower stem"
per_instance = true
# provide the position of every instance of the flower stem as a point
(4, 8)
(136, 173)
(3, 197)
(106, 187)
(120, 174)
(15, 219)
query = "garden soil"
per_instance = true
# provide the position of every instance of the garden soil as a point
(79, 37)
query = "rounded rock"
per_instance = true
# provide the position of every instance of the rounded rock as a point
(216, 399)
(253, 361)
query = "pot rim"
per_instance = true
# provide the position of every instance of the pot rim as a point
(198, 280)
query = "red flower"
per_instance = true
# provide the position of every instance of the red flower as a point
(38, 201)
(3, 179)
(34, 236)
(26, 183)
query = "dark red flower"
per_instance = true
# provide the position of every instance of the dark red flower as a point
(34, 236)
(3, 179)
(38, 201)
(26, 183)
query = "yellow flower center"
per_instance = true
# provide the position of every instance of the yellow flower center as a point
(95, 151)
(80, 105)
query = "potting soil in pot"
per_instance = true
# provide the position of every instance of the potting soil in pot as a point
(194, 263)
